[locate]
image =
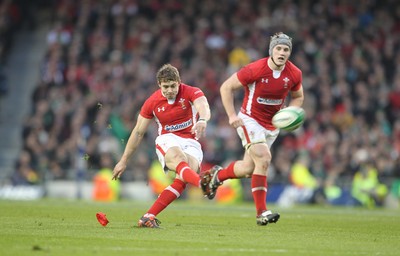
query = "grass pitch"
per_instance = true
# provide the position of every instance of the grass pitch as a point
(63, 227)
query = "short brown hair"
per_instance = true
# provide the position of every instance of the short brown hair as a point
(168, 73)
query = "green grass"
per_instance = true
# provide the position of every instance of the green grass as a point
(63, 227)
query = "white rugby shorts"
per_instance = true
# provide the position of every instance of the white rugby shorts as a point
(188, 146)
(252, 132)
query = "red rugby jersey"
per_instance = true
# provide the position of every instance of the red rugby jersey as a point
(176, 117)
(264, 92)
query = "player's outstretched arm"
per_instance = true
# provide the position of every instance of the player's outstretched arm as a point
(203, 108)
(297, 98)
(134, 140)
(227, 96)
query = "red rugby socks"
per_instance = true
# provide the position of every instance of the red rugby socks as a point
(166, 197)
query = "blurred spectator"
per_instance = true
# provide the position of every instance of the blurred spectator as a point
(394, 101)
(366, 187)
(394, 196)
(333, 193)
(104, 188)
(304, 186)
(158, 180)
(24, 173)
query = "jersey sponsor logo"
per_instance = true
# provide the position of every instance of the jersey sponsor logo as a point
(161, 109)
(264, 80)
(269, 101)
(178, 127)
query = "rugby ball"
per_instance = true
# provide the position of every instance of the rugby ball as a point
(289, 118)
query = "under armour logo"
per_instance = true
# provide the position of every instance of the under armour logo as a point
(161, 109)
(264, 80)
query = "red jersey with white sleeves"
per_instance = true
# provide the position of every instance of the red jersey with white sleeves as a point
(266, 90)
(173, 116)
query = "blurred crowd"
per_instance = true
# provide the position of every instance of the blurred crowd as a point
(14, 16)
(10, 20)
(102, 57)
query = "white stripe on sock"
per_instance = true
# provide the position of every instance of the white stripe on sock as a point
(182, 170)
(259, 188)
(173, 191)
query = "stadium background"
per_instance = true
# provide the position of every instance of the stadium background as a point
(74, 74)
